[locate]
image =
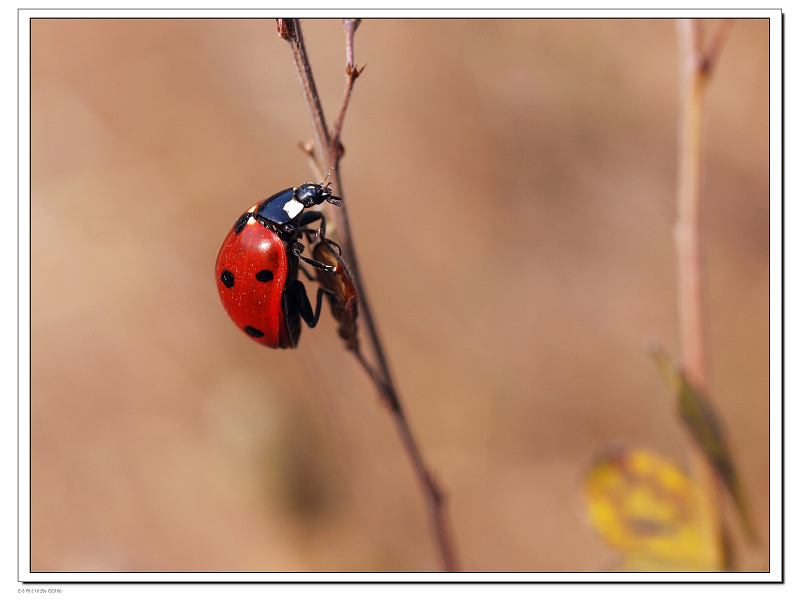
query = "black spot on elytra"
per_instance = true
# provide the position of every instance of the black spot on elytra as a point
(264, 276)
(253, 332)
(227, 279)
(237, 228)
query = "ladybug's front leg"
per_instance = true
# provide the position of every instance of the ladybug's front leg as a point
(311, 216)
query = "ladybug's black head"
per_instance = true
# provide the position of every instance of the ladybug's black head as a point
(313, 194)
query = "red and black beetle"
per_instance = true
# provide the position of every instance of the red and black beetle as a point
(258, 265)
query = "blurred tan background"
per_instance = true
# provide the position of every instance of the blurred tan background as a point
(511, 188)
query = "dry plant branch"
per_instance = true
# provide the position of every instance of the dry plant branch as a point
(352, 72)
(330, 150)
(696, 66)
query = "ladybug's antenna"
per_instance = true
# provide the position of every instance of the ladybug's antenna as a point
(332, 199)
(328, 184)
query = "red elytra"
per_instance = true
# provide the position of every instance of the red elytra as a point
(252, 269)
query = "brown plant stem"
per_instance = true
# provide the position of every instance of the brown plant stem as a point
(696, 65)
(330, 151)
(352, 72)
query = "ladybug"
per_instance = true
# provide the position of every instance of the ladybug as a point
(258, 265)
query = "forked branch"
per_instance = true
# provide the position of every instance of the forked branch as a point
(329, 151)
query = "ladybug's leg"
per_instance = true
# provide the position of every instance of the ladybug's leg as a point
(311, 317)
(316, 264)
(296, 306)
(311, 216)
(297, 250)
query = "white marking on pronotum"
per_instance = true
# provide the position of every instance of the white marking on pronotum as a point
(293, 208)
(252, 209)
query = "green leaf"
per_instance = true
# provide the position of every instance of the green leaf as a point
(705, 427)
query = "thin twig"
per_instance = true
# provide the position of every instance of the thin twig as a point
(350, 26)
(709, 57)
(330, 148)
(290, 30)
(696, 68)
(688, 229)
(352, 72)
